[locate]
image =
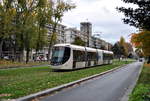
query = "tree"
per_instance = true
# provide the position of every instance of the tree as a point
(43, 13)
(7, 13)
(122, 41)
(27, 22)
(122, 44)
(118, 50)
(139, 53)
(21, 26)
(141, 40)
(24, 22)
(79, 41)
(59, 7)
(129, 48)
(138, 17)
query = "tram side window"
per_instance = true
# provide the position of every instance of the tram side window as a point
(78, 56)
(111, 56)
(91, 56)
(107, 56)
(104, 56)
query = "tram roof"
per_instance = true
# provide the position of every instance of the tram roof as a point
(108, 52)
(76, 47)
(82, 48)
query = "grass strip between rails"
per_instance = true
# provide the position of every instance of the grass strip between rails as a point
(20, 82)
(141, 91)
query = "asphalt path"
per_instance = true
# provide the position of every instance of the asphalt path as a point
(109, 87)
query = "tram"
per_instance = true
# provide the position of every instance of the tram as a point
(68, 56)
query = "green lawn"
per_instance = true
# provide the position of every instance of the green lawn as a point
(10, 64)
(142, 90)
(20, 82)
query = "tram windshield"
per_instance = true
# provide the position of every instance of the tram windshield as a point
(60, 55)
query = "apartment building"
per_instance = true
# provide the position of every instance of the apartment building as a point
(60, 31)
(86, 30)
(66, 35)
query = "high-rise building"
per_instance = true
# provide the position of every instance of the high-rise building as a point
(86, 30)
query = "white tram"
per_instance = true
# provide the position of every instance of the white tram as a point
(67, 56)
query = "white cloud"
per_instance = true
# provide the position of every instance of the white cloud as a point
(104, 17)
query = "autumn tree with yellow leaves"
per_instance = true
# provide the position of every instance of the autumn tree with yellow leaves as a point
(138, 17)
(141, 40)
(23, 23)
(122, 48)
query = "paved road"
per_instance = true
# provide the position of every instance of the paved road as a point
(109, 87)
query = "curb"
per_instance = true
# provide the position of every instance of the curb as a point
(58, 88)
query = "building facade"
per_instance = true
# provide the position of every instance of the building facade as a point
(64, 35)
(71, 34)
(86, 30)
(60, 32)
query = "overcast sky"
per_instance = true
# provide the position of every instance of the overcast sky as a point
(103, 16)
